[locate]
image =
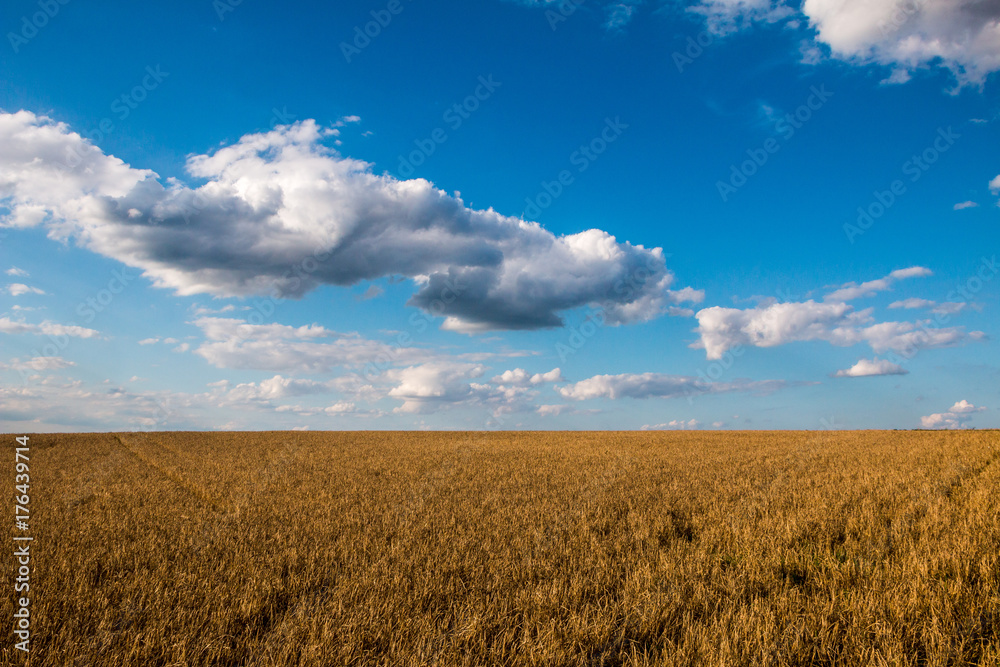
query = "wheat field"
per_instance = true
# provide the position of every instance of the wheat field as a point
(518, 548)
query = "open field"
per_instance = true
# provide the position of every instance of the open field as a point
(692, 548)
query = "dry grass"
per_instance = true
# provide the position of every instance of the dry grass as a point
(784, 548)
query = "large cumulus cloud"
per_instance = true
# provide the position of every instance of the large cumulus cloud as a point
(281, 213)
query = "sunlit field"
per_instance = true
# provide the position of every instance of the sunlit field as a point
(557, 548)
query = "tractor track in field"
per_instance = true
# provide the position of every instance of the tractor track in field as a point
(966, 478)
(180, 480)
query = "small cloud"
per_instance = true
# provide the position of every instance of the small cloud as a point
(898, 76)
(810, 53)
(149, 341)
(768, 114)
(300, 428)
(912, 303)
(520, 377)
(852, 290)
(17, 289)
(183, 347)
(965, 204)
(956, 418)
(944, 308)
(674, 425)
(200, 311)
(619, 15)
(38, 364)
(14, 271)
(873, 367)
(995, 185)
(372, 292)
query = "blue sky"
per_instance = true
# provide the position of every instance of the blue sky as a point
(539, 215)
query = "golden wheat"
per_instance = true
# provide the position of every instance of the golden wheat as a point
(736, 548)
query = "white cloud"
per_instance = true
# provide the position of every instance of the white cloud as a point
(46, 328)
(619, 14)
(769, 324)
(52, 402)
(281, 213)
(520, 377)
(276, 388)
(965, 204)
(673, 425)
(726, 16)
(149, 341)
(851, 291)
(449, 382)
(957, 417)
(199, 311)
(944, 308)
(866, 368)
(425, 387)
(38, 364)
(14, 271)
(905, 35)
(964, 407)
(658, 385)
(338, 409)
(722, 329)
(995, 185)
(235, 344)
(17, 289)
